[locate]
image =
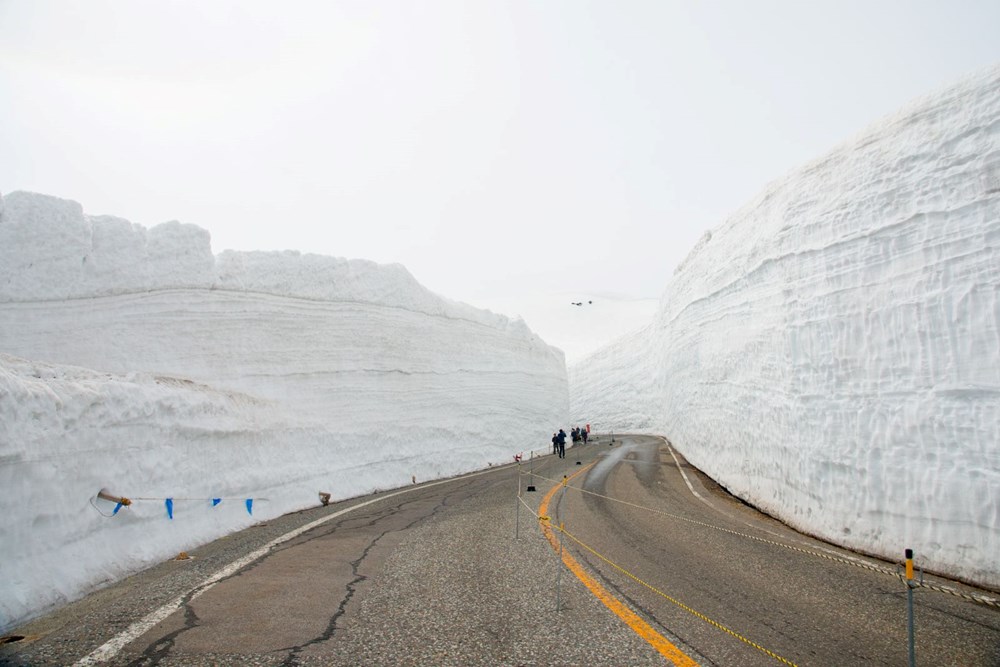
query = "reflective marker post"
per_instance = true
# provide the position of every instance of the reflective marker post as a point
(909, 605)
(517, 504)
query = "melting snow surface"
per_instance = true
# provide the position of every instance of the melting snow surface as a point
(831, 352)
(146, 365)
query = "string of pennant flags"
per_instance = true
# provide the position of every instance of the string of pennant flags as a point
(168, 503)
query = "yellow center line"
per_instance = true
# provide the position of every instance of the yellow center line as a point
(639, 626)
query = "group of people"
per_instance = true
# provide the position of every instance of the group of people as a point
(559, 439)
(559, 443)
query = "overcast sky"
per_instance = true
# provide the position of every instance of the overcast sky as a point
(497, 149)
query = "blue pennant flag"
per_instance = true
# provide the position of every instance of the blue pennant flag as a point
(216, 501)
(170, 507)
(117, 507)
(250, 506)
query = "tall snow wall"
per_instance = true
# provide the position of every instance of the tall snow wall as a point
(135, 360)
(831, 352)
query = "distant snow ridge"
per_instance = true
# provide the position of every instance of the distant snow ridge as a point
(831, 352)
(148, 365)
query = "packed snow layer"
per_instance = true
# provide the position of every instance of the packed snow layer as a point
(831, 352)
(133, 359)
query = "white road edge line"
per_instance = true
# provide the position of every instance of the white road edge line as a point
(113, 646)
(686, 480)
(727, 514)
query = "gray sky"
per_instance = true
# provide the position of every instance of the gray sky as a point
(495, 148)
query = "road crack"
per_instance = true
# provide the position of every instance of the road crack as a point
(161, 648)
(352, 586)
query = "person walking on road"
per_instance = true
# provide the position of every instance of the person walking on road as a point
(562, 443)
(555, 443)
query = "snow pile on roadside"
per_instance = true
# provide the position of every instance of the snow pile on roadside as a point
(830, 353)
(148, 366)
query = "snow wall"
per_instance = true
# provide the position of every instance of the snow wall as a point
(135, 360)
(831, 352)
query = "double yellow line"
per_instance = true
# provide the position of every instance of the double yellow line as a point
(639, 626)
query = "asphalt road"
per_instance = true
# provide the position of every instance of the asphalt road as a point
(705, 552)
(460, 573)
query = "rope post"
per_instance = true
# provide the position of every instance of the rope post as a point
(531, 472)
(909, 607)
(517, 505)
(559, 510)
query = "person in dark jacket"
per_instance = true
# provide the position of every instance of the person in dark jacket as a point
(555, 443)
(562, 443)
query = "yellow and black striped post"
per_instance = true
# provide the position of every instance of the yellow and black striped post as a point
(909, 606)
